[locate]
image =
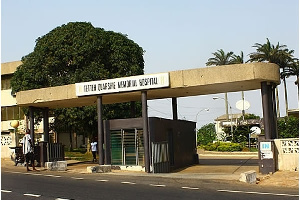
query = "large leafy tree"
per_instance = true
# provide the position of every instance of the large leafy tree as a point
(79, 52)
(206, 134)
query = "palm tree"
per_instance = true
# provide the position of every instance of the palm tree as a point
(279, 55)
(292, 69)
(267, 52)
(222, 58)
(238, 59)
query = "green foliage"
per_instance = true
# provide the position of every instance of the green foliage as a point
(78, 52)
(206, 134)
(250, 116)
(221, 58)
(223, 146)
(288, 127)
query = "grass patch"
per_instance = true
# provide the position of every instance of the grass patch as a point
(78, 155)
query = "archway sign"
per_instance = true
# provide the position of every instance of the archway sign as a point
(126, 84)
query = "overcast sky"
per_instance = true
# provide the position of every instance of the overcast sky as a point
(174, 34)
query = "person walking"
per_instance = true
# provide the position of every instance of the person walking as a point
(94, 149)
(28, 150)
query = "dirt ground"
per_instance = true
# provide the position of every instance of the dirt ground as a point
(280, 178)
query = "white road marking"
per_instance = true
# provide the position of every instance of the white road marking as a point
(32, 195)
(190, 188)
(13, 172)
(50, 175)
(36, 174)
(102, 180)
(157, 185)
(261, 193)
(130, 183)
(77, 178)
(6, 191)
(61, 199)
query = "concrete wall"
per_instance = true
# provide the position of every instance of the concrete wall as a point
(288, 154)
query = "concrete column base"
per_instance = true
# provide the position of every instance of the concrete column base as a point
(248, 177)
(56, 166)
(99, 169)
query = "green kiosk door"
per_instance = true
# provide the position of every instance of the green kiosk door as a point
(127, 147)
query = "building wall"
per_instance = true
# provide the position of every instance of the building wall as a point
(10, 111)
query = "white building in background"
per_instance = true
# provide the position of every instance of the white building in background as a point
(221, 122)
(9, 111)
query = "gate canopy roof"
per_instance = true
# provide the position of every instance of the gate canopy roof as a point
(183, 83)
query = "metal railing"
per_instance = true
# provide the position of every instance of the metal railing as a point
(55, 152)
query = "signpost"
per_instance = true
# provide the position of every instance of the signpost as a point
(266, 150)
(266, 157)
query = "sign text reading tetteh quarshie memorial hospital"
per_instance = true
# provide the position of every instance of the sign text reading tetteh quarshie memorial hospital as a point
(126, 84)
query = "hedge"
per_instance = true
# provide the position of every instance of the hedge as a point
(223, 146)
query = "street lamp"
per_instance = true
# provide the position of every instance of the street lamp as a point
(206, 109)
(226, 106)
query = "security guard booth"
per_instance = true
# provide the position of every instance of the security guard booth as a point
(124, 143)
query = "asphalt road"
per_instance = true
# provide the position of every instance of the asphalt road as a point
(54, 185)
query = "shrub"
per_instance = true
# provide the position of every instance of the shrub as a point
(229, 147)
(223, 147)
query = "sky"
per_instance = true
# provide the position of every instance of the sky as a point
(175, 35)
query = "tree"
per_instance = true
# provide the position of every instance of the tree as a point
(278, 54)
(241, 132)
(288, 127)
(292, 69)
(238, 59)
(78, 52)
(206, 134)
(220, 58)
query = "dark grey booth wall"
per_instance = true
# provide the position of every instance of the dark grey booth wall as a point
(181, 137)
(179, 133)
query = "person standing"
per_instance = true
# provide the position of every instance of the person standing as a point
(28, 150)
(94, 149)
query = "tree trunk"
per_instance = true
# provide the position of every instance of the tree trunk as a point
(71, 140)
(285, 96)
(277, 103)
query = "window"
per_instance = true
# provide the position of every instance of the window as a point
(5, 82)
(11, 113)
